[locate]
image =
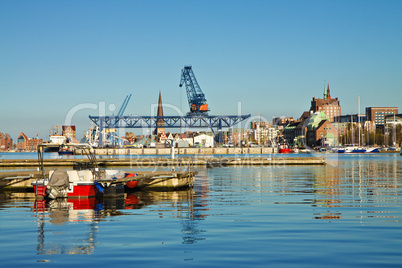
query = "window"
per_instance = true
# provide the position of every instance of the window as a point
(21, 139)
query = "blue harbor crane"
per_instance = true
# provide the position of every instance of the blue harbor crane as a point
(123, 106)
(197, 117)
(196, 98)
(112, 138)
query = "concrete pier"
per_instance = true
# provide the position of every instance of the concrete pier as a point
(152, 162)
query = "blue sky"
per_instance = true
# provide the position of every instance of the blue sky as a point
(272, 56)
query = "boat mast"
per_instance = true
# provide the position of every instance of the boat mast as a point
(358, 116)
(351, 127)
(394, 133)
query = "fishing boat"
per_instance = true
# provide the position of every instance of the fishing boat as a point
(86, 180)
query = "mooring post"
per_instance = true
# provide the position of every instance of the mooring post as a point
(172, 148)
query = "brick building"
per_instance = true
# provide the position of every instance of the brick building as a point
(313, 131)
(331, 107)
(378, 114)
(6, 142)
(27, 144)
(325, 134)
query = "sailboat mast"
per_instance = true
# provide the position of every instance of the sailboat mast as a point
(394, 133)
(358, 116)
(351, 127)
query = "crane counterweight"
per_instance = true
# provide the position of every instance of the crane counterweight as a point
(196, 98)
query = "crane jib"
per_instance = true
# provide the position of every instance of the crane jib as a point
(195, 96)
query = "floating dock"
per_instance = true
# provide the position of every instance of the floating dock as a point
(146, 179)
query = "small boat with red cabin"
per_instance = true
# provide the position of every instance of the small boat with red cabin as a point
(85, 180)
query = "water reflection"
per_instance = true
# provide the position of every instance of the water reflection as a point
(71, 225)
(357, 183)
(366, 183)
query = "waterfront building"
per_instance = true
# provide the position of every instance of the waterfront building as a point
(264, 133)
(6, 142)
(184, 139)
(378, 114)
(331, 107)
(204, 140)
(239, 136)
(295, 133)
(320, 131)
(315, 130)
(170, 136)
(162, 137)
(27, 144)
(282, 121)
(355, 118)
(393, 119)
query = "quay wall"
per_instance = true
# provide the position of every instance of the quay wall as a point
(275, 160)
(183, 151)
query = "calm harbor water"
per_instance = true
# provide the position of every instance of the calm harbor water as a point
(348, 214)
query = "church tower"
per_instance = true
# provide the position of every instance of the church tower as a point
(160, 122)
(331, 107)
(328, 94)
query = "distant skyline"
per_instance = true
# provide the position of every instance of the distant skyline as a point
(60, 60)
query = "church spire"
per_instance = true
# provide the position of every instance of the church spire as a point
(328, 94)
(325, 91)
(160, 122)
(160, 108)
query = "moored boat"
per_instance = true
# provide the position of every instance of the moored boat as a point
(351, 150)
(295, 150)
(63, 150)
(358, 150)
(372, 150)
(284, 149)
(87, 182)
